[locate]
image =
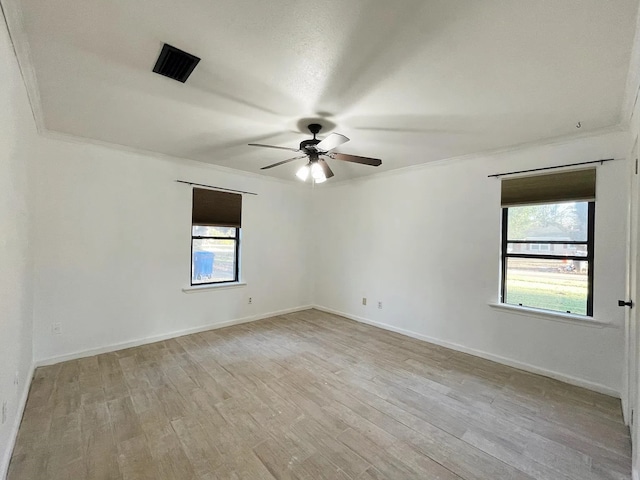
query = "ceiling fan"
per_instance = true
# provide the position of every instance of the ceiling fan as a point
(315, 150)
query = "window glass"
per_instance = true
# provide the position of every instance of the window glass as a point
(206, 231)
(213, 260)
(555, 222)
(560, 285)
(559, 249)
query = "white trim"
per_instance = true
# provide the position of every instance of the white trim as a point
(78, 140)
(633, 79)
(545, 142)
(213, 286)
(497, 152)
(554, 316)
(596, 387)
(13, 436)
(635, 474)
(165, 336)
(17, 33)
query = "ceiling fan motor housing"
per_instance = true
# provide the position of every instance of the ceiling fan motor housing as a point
(308, 143)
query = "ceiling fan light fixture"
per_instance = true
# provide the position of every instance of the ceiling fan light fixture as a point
(303, 173)
(316, 172)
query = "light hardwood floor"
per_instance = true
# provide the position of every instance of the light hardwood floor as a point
(311, 396)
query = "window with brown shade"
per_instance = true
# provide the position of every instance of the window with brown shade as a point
(216, 220)
(548, 241)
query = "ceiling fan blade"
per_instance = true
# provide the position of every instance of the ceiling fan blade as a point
(273, 146)
(374, 162)
(283, 162)
(325, 168)
(331, 141)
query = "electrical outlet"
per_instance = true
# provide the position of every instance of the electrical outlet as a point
(250, 300)
(56, 328)
(4, 412)
(379, 304)
(364, 300)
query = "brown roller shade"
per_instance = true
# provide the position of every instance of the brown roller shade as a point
(555, 187)
(215, 208)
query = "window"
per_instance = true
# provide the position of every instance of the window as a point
(548, 247)
(215, 237)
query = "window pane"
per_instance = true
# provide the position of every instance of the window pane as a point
(206, 231)
(560, 285)
(560, 249)
(213, 261)
(555, 221)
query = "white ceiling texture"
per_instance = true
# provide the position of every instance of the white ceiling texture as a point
(409, 81)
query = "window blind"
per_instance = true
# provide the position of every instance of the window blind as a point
(575, 185)
(215, 208)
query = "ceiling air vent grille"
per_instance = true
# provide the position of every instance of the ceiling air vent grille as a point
(176, 64)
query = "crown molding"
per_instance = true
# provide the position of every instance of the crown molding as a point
(545, 142)
(78, 140)
(15, 25)
(632, 85)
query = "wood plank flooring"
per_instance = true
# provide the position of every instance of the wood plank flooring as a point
(311, 396)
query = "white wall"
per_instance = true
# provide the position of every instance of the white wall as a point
(112, 248)
(425, 242)
(16, 132)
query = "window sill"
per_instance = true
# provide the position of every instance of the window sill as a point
(215, 286)
(555, 316)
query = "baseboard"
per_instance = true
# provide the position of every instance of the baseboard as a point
(579, 382)
(6, 457)
(165, 336)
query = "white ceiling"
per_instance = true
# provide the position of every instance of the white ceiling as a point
(408, 81)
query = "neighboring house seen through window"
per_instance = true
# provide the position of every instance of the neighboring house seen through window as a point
(548, 245)
(215, 236)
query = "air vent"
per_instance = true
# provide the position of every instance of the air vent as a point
(176, 64)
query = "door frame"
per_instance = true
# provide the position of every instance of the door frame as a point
(631, 384)
(630, 387)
